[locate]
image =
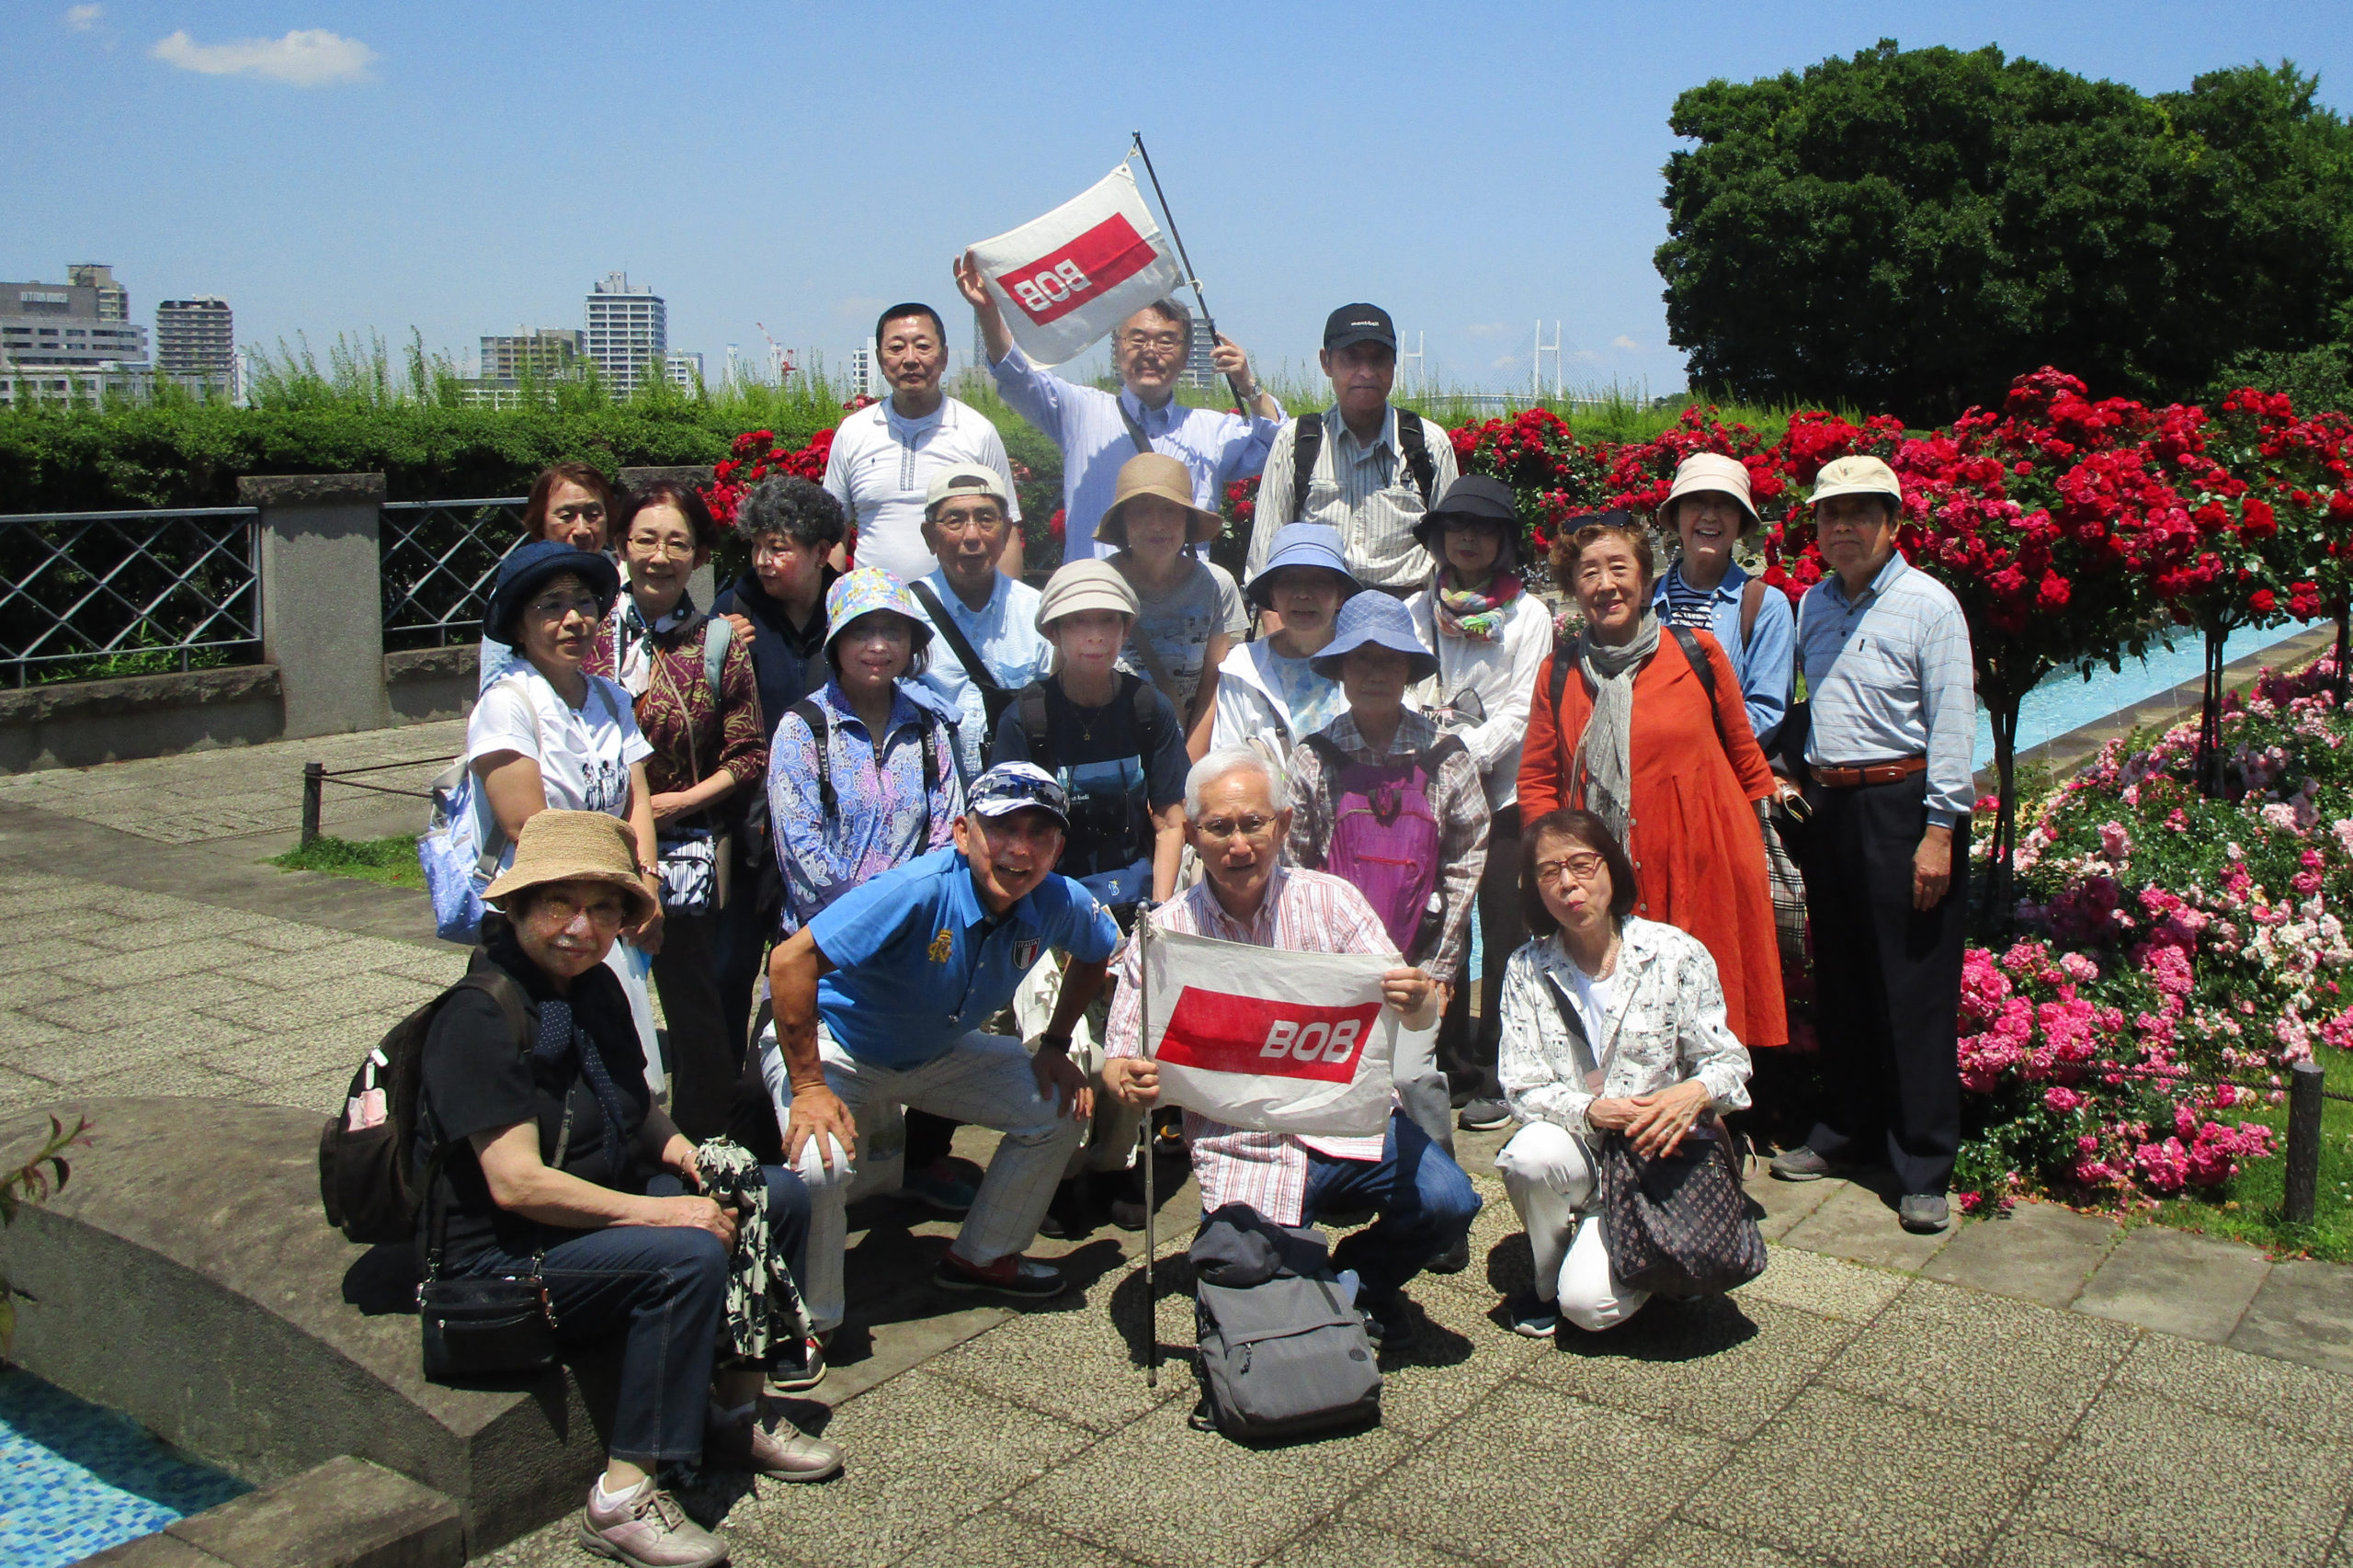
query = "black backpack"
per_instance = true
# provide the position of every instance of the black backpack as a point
(366, 1181)
(1140, 693)
(1307, 444)
(813, 715)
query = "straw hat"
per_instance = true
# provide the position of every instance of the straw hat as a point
(1711, 472)
(575, 847)
(1156, 473)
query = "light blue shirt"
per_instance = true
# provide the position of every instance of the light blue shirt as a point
(1219, 449)
(1763, 663)
(1004, 634)
(920, 962)
(1888, 675)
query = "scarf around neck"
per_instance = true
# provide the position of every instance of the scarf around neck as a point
(1473, 617)
(633, 645)
(1605, 752)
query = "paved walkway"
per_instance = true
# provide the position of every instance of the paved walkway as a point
(2050, 1389)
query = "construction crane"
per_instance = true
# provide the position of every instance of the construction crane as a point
(780, 358)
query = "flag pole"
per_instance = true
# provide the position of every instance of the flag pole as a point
(1150, 1208)
(1240, 404)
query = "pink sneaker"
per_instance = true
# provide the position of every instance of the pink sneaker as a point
(646, 1528)
(738, 1441)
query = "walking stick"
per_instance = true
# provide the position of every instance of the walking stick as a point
(1240, 404)
(1151, 1207)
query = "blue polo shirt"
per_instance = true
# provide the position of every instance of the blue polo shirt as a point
(920, 961)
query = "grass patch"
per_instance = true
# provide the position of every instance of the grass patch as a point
(391, 861)
(2247, 1208)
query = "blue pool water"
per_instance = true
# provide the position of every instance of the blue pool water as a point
(2065, 701)
(120, 1481)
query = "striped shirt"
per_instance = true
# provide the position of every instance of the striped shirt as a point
(1456, 798)
(1219, 449)
(1684, 605)
(1303, 912)
(1364, 489)
(1888, 677)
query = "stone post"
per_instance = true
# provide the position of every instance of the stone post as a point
(703, 584)
(321, 601)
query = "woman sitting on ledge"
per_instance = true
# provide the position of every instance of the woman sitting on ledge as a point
(624, 1240)
(1610, 1024)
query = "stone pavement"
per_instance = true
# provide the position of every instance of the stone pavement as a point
(2047, 1390)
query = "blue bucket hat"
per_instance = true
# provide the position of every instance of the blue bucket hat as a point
(866, 590)
(531, 567)
(1373, 620)
(1302, 544)
(1011, 787)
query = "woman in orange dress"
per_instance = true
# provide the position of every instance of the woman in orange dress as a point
(1625, 729)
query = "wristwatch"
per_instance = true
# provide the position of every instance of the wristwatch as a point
(1059, 1041)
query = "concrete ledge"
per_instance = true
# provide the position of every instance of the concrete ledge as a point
(425, 684)
(187, 1277)
(345, 1514)
(310, 490)
(82, 723)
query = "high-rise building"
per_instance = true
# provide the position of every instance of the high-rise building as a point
(197, 338)
(628, 333)
(54, 341)
(685, 369)
(863, 381)
(114, 300)
(1200, 368)
(540, 353)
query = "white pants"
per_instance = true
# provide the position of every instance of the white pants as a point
(1110, 1143)
(1549, 1176)
(984, 1079)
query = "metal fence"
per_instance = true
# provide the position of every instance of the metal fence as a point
(91, 593)
(436, 560)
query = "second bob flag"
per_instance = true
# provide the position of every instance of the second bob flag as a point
(1069, 277)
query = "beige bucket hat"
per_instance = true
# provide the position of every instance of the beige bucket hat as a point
(1855, 476)
(1156, 473)
(575, 847)
(1087, 585)
(1704, 472)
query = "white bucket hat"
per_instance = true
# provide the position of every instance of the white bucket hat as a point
(1857, 476)
(1705, 472)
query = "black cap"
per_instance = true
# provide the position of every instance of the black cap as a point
(1475, 496)
(1359, 323)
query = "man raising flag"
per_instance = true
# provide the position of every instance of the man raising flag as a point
(1064, 275)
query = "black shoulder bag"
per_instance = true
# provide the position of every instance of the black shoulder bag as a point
(486, 1325)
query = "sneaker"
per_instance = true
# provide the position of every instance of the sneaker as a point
(1923, 1212)
(1531, 1315)
(797, 1368)
(1802, 1163)
(1453, 1260)
(1483, 1116)
(1012, 1275)
(785, 1454)
(941, 1189)
(645, 1528)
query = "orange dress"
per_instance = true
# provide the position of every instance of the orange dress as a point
(1691, 829)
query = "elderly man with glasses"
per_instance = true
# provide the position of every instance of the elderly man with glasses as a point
(1097, 431)
(1237, 817)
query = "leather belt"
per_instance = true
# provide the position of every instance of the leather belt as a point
(1895, 772)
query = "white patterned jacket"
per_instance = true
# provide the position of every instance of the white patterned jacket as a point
(1667, 1026)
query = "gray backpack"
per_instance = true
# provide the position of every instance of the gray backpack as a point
(1282, 1354)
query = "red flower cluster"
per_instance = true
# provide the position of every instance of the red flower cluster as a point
(751, 457)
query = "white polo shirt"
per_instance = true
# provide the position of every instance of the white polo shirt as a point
(882, 465)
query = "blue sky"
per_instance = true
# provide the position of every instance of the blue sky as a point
(465, 169)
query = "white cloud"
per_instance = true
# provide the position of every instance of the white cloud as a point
(1487, 328)
(82, 18)
(1506, 362)
(1626, 343)
(307, 57)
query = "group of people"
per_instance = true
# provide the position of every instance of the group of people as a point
(878, 824)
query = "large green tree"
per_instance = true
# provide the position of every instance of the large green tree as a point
(1912, 229)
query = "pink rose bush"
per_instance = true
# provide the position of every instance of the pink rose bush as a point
(2175, 953)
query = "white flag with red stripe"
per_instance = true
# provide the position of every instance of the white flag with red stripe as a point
(1069, 277)
(1275, 1042)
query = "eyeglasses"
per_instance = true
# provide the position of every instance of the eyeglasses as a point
(978, 519)
(563, 909)
(1250, 826)
(876, 628)
(589, 511)
(1584, 868)
(670, 549)
(1167, 342)
(555, 607)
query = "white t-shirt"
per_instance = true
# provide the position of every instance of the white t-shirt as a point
(1178, 627)
(1593, 998)
(585, 754)
(881, 468)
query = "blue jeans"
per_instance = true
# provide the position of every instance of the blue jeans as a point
(1422, 1201)
(664, 1291)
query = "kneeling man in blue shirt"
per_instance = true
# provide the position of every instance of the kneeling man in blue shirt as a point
(879, 1001)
